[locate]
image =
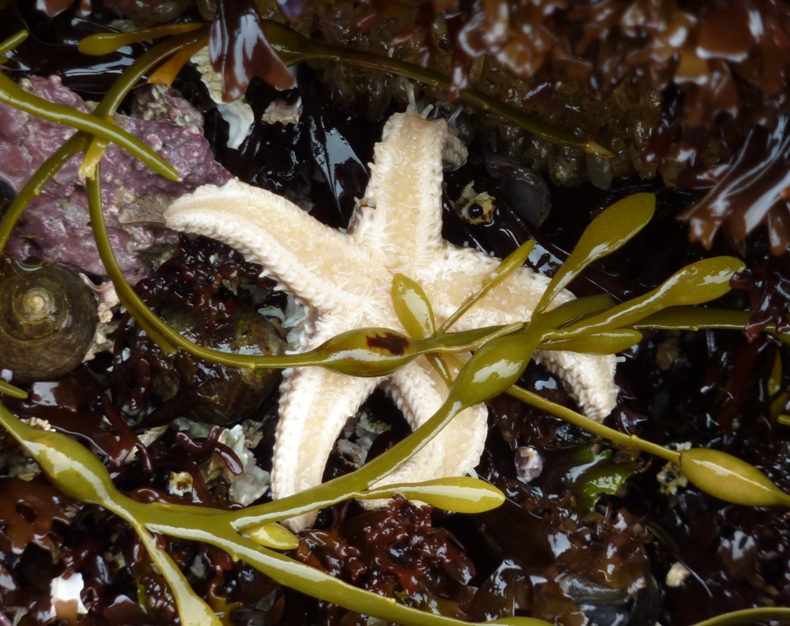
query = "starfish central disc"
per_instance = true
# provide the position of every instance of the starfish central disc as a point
(344, 281)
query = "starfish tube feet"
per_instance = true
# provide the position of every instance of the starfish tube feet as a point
(314, 408)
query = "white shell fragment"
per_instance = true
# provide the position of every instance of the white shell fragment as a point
(253, 481)
(180, 484)
(66, 602)
(238, 114)
(344, 281)
(282, 112)
(677, 574)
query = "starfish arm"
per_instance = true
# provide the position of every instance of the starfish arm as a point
(401, 215)
(316, 263)
(418, 391)
(589, 379)
(314, 406)
(461, 272)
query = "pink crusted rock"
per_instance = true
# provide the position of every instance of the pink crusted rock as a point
(55, 227)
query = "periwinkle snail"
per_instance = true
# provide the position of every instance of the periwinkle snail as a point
(47, 321)
(214, 393)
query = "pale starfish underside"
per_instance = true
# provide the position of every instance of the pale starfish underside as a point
(344, 280)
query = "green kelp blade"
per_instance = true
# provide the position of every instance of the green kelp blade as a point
(192, 610)
(490, 370)
(69, 465)
(377, 352)
(296, 575)
(72, 468)
(290, 46)
(76, 472)
(596, 428)
(496, 366)
(695, 318)
(108, 105)
(361, 352)
(121, 87)
(36, 184)
(716, 473)
(414, 311)
(381, 351)
(729, 478)
(272, 535)
(13, 41)
(105, 43)
(697, 283)
(509, 264)
(608, 232)
(604, 342)
(12, 390)
(457, 494)
(412, 307)
(747, 617)
(577, 309)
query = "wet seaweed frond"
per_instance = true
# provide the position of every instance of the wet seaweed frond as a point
(595, 324)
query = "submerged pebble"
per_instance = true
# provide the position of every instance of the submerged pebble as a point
(529, 464)
(525, 191)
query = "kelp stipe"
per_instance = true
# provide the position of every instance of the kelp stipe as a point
(292, 48)
(493, 368)
(74, 470)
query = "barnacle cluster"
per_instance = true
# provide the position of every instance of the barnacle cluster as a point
(397, 552)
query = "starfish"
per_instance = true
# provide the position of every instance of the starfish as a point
(344, 280)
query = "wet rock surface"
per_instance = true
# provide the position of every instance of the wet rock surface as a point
(55, 227)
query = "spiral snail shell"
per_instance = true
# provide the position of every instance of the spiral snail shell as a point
(47, 321)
